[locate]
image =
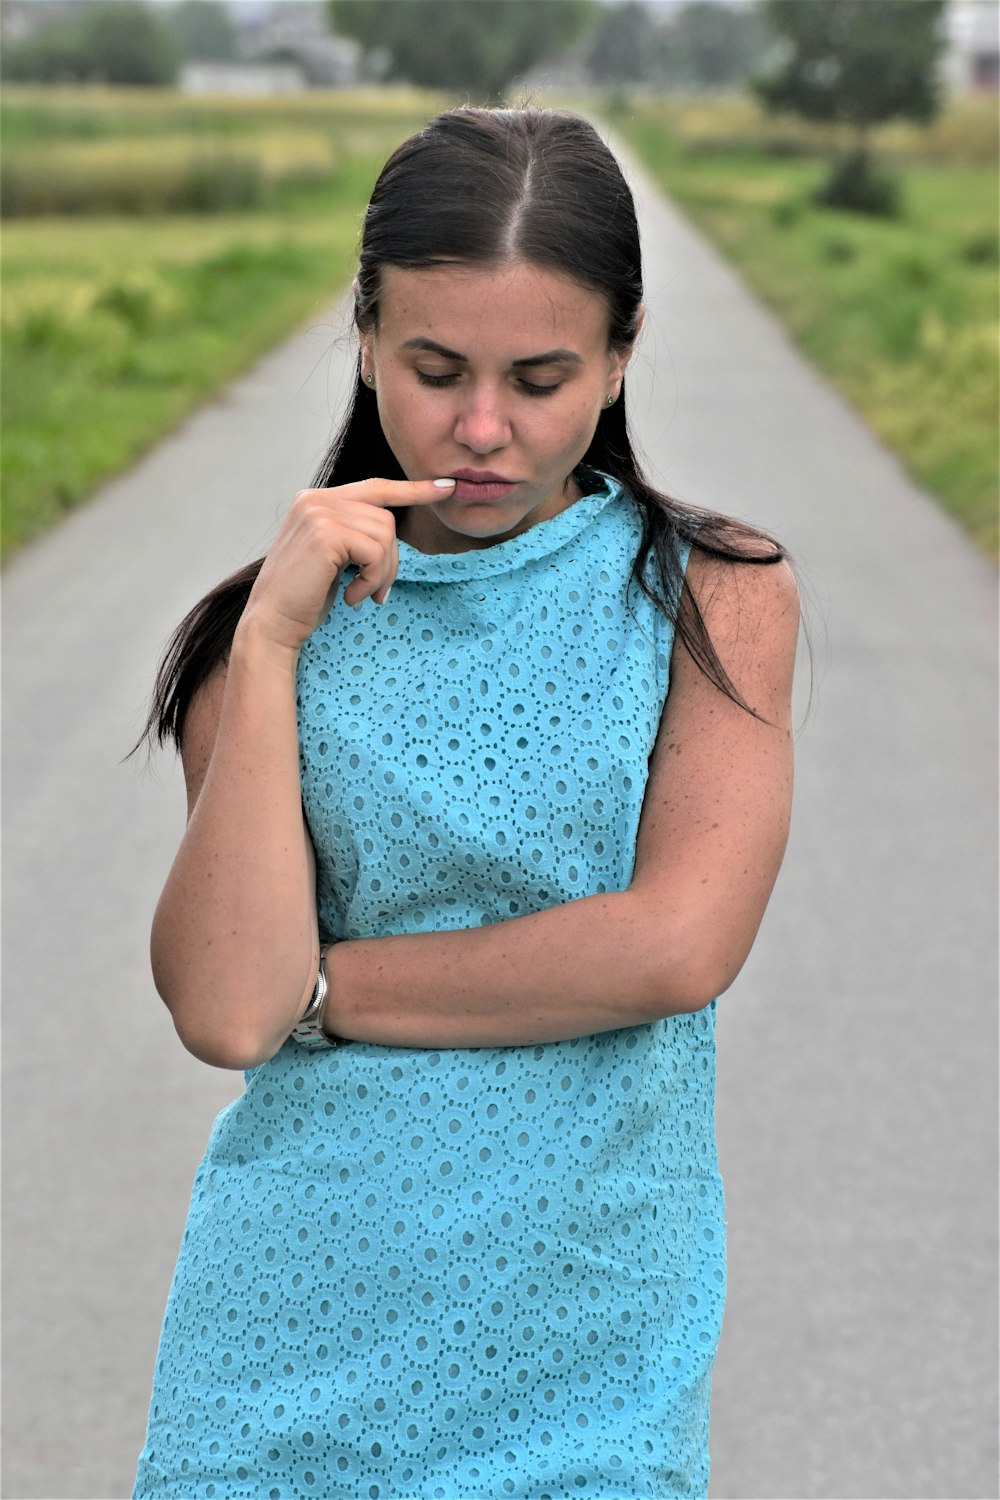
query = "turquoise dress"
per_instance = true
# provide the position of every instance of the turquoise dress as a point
(481, 1273)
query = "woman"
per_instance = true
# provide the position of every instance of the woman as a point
(463, 1233)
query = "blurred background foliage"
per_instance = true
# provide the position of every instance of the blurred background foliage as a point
(479, 49)
(110, 42)
(900, 312)
(164, 225)
(164, 243)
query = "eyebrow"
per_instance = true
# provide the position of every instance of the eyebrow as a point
(550, 357)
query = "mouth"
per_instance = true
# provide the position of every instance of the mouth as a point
(481, 485)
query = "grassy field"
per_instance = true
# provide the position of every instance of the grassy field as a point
(116, 323)
(902, 313)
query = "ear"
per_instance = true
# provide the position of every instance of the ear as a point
(620, 357)
(367, 356)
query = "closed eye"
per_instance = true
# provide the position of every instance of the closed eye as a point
(435, 380)
(527, 387)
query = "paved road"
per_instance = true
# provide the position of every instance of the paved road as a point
(857, 1088)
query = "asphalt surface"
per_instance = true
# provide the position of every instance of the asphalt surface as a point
(857, 1052)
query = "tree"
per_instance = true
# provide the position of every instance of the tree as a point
(203, 30)
(476, 48)
(116, 41)
(128, 44)
(857, 63)
(699, 45)
(711, 45)
(52, 54)
(623, 45)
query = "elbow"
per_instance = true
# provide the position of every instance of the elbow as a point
(223, 1036)
(226, 1027)
(672, 997)
(237, 1051)
(676, 983)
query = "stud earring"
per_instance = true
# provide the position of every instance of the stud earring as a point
(370, 379)
(611, 401)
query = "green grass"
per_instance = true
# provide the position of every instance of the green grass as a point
(31, 114)
(901, 314)
(113, 328)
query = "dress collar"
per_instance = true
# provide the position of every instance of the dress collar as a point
(539, 541)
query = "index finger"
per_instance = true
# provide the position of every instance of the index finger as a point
(390, 493)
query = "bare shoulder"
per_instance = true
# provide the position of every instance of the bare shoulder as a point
(761, 589)
(201, 725)
(751, 613)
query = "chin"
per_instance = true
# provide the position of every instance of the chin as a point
(495, 531)
(481, 521)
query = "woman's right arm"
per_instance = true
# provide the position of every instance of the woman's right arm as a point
(234, 943)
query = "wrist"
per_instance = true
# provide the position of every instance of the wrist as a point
(334, 1018)
(258, 644)
(310, 1030)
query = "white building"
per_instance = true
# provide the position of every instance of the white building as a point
(241, 78)
(296, 31)
(972, 62)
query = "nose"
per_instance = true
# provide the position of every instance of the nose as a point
(482, 425)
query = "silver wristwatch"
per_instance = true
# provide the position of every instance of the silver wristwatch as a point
(309, 1031)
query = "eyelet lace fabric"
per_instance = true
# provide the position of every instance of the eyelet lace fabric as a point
(482, 1273)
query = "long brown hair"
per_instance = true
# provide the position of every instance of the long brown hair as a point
(483, 186)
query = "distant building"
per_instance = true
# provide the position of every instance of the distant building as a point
(972, 61)
(241, 78)
(296, 31)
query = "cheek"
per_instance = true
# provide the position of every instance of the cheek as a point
(577, 427)
(405, 417)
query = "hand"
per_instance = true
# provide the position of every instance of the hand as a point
(324, 531)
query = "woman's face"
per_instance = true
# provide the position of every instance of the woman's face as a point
(496, 376)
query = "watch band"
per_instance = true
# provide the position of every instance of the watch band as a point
(309, 1030)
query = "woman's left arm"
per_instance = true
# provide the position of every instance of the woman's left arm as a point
(711, 837)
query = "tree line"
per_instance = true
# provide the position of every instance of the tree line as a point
(121, 42)
(481, 47)
(856, 62)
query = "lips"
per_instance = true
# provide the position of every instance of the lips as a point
(481, 485)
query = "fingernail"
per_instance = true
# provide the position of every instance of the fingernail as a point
(444, 484)
(385, 601)
(358, 605)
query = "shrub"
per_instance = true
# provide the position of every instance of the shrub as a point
(900, 326)
(838, 249)
(786, 212)
(981, 250)
(202, 182)
(914, 270)
(213, 183)
(856, 185)
(783, 146)
(41, 326)
(137, 299)
(149, 176)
